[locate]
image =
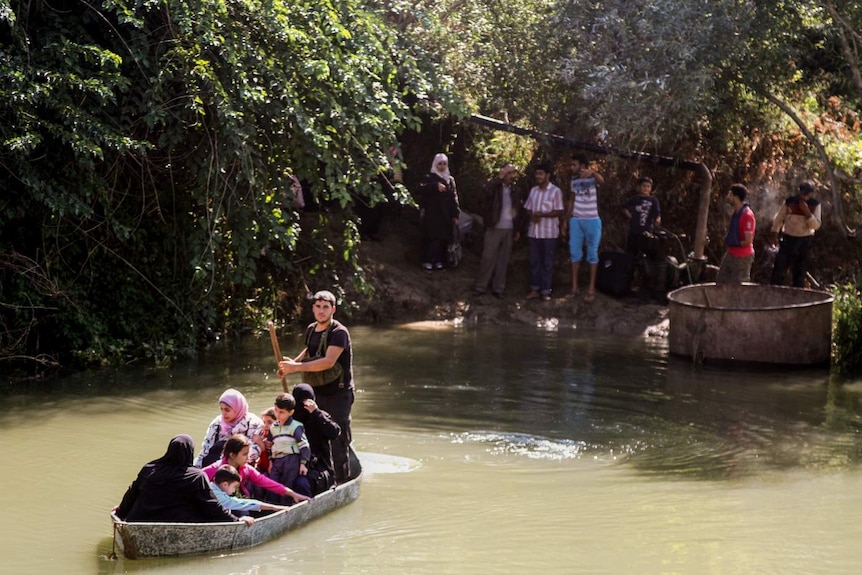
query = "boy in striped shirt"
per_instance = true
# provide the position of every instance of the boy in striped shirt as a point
(585, 226)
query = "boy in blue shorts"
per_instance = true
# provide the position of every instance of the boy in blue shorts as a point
(585, 226)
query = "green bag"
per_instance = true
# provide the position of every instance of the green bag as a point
(334, 374)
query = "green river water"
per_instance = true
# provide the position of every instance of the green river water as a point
(486, 451)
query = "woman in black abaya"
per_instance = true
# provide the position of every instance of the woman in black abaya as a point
(171, 489)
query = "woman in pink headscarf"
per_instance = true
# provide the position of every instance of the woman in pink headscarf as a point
(234, 418)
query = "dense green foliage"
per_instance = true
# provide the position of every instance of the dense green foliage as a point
(847, 331)
(145, 155)
(146, 147)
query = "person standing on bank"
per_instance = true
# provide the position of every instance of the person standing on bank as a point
(585, 225)
(544, 206)
(797, 219)
(736, 263)
(439, 211)
(643, 212)
(326, 363)
(501, 204)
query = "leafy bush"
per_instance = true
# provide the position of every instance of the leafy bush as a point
(146, 150)
(847, 330)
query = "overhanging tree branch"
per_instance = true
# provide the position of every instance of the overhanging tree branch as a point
(845, 30)
(699, 168)
(821, 151)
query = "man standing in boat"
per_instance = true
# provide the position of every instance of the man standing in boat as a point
(736, 264)
(326, 363)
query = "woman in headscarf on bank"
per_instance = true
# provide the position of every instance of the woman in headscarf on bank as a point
(438, 201)
(171, 489)
(234, 418)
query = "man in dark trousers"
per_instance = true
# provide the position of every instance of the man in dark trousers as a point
(643, 212)
(797, 219)
(326, 363)
(500, 212)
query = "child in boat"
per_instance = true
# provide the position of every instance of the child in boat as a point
(268, 418)
(226, 482)
(252, 481)
(290, 448)
(234, 418)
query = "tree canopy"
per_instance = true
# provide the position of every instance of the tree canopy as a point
(146, 150)
(147, 147)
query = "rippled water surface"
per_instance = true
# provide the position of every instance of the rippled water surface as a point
(486, 451)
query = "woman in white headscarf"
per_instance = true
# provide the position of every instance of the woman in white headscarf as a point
(438, 200)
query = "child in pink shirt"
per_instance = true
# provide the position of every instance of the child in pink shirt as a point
(252, 481)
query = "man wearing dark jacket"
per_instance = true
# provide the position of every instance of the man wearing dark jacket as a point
(501, 207)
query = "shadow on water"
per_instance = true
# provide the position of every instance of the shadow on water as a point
(566, 394)
(137, 388)
(558, 394)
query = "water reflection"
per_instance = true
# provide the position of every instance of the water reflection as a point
(618, 399)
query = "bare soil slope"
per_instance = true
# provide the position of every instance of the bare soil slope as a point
(404, 292)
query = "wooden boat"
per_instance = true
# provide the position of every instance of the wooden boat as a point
(138, 540)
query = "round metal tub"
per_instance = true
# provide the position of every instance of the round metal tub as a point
(751, 323)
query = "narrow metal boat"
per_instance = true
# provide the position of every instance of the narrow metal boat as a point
(138, 540)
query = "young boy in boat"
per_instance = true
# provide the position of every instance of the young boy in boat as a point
(291, 451)
(263, 440)
(225, 484)
(252, 482)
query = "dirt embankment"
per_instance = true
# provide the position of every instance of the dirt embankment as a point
(405, 292)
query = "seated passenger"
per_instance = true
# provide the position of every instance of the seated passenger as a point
(170, 489)
(252, 482)
(268, 418)
(234, 419)
(320, 430)
(290, 450)
(226, 482)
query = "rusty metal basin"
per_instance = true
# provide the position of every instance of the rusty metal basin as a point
(751, 323)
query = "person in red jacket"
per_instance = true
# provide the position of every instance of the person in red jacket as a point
(736, 264)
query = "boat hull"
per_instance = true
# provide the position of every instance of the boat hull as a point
(138, 540)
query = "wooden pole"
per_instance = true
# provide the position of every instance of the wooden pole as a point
(276, 350)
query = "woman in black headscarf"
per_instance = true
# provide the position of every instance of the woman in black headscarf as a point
(171, 489)
(320, 430)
